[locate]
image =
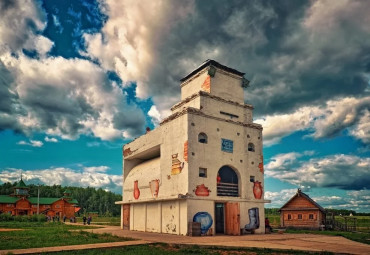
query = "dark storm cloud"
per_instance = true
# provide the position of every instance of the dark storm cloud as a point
(295, 53)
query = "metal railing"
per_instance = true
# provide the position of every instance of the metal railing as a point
(227, 189)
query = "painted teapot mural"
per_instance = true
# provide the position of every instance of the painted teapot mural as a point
(202, 191)
(154, 187)
(257, 190)
(177, 165)
(136, 190)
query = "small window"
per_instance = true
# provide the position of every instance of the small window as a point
(202, 138)
(251, 178)
(299, 216)
(250, 147)
(57, 206)
(310, 216)
(289, 216)
(203, 172)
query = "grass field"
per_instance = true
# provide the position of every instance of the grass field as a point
(46, 234)
(166, 249)
(110, 221)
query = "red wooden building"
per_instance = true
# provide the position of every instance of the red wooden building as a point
(20, 203)
(302, 212)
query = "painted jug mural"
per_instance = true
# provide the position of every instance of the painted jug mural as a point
(154, 187)
(254, 219)
(257, 190)
(260, 165)
(177, 165)
(136, 190)
(202, 191)
(205, 220)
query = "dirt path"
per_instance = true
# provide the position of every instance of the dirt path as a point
(307, 242)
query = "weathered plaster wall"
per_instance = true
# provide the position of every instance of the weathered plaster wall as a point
(227, 86)
(188, 88)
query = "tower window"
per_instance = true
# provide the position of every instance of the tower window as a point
(203, 172)
(251, 178)
(250, 147)
(202, 138)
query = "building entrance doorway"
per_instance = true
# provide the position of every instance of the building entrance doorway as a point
(220, 218)
(227, 217)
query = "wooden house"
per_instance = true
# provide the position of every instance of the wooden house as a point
(302, 212)
(20, 203)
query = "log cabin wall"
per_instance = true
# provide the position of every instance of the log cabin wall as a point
(301, 212)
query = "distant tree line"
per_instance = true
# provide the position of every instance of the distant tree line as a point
(337, 212)
(89, 199)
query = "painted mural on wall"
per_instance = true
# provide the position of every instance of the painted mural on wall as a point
(227, 145)
(202, 191)
(205, 220)
(260, 165)
(136, 190)
(257, 190)
(254, 219)
(154, 187)
(177, 165)
(186, 151)
(206, 86)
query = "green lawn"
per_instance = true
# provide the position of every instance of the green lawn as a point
(110, 221)
(166, 249)
(41, 234)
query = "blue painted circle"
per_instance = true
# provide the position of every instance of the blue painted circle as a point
(205, 220)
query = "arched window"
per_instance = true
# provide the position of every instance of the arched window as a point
(250, 147)
(202, 138)
(227, 182)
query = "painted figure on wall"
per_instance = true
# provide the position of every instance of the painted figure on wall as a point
(202, 191)
(177, 165)
(257, 190)
(154, 187)
(136, 190)
(205, 220)
(254, 219)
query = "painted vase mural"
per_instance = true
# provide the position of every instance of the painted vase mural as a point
(202, 191)
(177, 165)
(205, 220)
(136, 190)
(154, 188)
(257, 190)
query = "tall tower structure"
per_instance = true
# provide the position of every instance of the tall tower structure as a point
(204, 163)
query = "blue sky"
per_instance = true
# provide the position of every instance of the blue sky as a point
(79, 79)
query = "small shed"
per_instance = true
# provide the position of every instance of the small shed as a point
(302, 212)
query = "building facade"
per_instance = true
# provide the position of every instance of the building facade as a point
(204, 163)
(20, 203)
(302, 212)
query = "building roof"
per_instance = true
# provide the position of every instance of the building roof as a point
(67, 191)
(300, 193)
(21, 184)
(5, 199)
(210, 62)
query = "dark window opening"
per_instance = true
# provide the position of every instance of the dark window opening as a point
(228, 184)
(202, 138)
(203, 172)
(250, 147)
(251, 178)
(289, 217)
(229, 114)
(310, 216)
(299, 216)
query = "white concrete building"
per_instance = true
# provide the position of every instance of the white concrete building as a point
(204, 162)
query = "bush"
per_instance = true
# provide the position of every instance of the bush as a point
(6, 217)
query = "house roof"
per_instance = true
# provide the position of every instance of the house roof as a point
(21, 184)
(210, 62)
(5, 199)
(300, 193)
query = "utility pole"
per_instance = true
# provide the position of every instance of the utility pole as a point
(38, 199)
